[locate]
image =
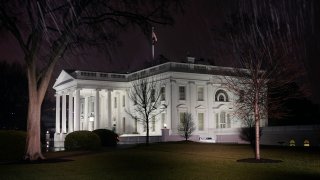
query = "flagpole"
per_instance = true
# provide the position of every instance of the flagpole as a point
(152, 35)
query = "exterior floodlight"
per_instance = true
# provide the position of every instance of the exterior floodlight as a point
(165, 125)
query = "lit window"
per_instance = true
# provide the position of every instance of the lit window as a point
(182, 116)
(306, 143)
(222, 120)
(200, 94)
(200, 121)
(163, 93)
(182, 93)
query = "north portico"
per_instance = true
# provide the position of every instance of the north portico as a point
(88, 100)
(84, 104)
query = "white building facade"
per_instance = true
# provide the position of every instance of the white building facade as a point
(96, 100)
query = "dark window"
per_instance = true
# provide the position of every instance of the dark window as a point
(221, 95)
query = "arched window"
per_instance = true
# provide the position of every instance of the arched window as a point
(221, 96)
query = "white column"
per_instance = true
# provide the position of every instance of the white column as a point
(129, 124)
(109, 113)
(193, 98)
(174, 100)
(96, 110)
(70, 118)
(210, 116)
(86, 114)
(169, 103)
(64, 113)
(77, 110)
(58, 113)
(119, 119)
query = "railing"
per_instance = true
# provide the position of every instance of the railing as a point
(100, 76)
(169, 66)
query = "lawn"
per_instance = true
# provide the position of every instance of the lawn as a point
(172, 161)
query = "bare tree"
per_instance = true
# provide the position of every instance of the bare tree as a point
(186, 126)
(267, 49)
(146, 95)
(45, 30)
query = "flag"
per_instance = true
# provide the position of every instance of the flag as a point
(154, 37)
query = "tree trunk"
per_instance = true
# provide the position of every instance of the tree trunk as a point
(147, 137)
(257, 127)
(33, 142)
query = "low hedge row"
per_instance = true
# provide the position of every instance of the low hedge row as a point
(87, 140)
(108, 138)
(82, 140)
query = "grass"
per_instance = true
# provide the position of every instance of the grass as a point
(172, 161)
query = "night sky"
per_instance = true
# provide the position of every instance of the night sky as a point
(192, 34)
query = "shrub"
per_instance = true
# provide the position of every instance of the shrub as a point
(82, 140)
(107, 137)
(249, 134)
(12, 144)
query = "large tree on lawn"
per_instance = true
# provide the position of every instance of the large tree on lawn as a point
(269, 45)
(46, 29)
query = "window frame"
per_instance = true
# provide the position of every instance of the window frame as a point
(163, 93)
(202, 94)
(201, 128)
(182, 95)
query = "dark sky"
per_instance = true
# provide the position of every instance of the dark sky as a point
(192, 34)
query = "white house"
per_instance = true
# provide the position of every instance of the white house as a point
(88, 100)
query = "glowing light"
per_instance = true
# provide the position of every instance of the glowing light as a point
(91, 117)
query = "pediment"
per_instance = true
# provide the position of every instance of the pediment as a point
(63, 78)
(181, 106)
(200, 107)
(221, 106)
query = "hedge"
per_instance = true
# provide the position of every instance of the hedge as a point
(108, 138)
(82, 140)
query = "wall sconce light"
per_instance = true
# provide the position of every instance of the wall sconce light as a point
(165, 125)
(91, 117)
